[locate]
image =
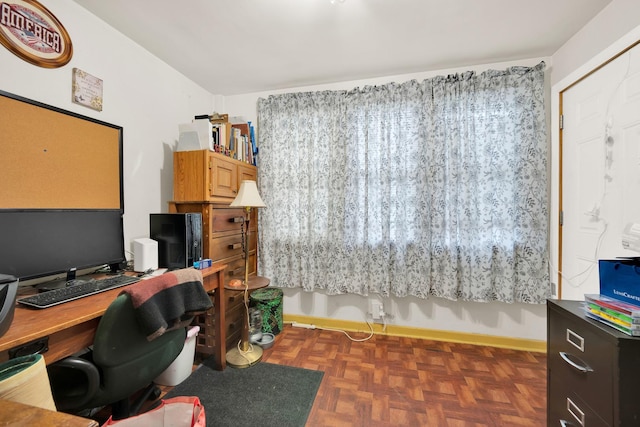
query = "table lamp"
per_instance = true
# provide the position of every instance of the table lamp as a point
(245, 354)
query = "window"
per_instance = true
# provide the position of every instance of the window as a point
(433, 188)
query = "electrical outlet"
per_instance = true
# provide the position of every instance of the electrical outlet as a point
(378, 312)
(375, 308)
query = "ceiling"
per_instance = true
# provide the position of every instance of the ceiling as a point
(233, 47)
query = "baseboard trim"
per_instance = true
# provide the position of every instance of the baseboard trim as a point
(430, 334)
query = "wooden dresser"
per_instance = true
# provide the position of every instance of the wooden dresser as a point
(593, 370)
(207, 182)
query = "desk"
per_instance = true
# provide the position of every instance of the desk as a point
(19, 414)
(71, 326)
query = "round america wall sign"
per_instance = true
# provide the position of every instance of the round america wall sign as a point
(31, 32)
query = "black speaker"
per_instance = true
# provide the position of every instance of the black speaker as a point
(179, 237)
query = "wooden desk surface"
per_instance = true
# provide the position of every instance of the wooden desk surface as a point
(19, 414)
(70, 326)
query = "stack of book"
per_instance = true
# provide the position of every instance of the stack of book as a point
(243, 142)
(231, 136)
(618, 314)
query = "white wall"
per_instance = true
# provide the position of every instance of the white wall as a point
(141, 93)
(606, 29)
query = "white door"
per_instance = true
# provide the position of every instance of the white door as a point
(600, 171)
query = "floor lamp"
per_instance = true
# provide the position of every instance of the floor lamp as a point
(245, 354)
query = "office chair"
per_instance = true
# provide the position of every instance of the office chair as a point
(122, 362)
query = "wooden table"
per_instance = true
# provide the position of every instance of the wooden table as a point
(70, 327)
(19, 414)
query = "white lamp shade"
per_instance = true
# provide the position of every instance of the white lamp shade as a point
(248, 196)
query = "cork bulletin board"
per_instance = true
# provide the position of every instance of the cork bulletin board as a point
(55, 159)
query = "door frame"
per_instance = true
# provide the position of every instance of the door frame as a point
(560, 157)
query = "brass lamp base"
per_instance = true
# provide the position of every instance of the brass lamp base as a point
(244, 359)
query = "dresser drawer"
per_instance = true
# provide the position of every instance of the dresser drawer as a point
(584, 362)
(234, 321)
(223, 219)
(234, 337)
(233, 299)
(226, 219)
(609, 388)
(229, 246)
(567, 409)
(235, 315)
(235, 268)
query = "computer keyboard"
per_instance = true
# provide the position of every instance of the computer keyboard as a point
(76, 289)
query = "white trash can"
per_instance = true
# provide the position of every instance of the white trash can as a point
(181, 368)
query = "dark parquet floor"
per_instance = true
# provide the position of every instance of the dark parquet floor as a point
(395, 381)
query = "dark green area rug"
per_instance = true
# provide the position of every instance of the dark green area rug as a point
(263, 394)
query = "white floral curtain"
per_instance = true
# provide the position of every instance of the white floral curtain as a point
(432, 188)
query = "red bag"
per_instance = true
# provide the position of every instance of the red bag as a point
(181, 411)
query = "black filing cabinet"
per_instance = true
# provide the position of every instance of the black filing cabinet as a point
(593, 370)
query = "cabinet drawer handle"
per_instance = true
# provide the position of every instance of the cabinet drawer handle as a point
(580, 368)
(576, 340)
(236, 219)
(565, 423)
(235, 246)
(574, 410)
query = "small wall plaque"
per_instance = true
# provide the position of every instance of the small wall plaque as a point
(87, 89)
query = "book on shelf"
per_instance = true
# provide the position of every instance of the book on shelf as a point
(235, 144)
(244, 141)
(232, 137)
(221, 134)
(252, 136)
